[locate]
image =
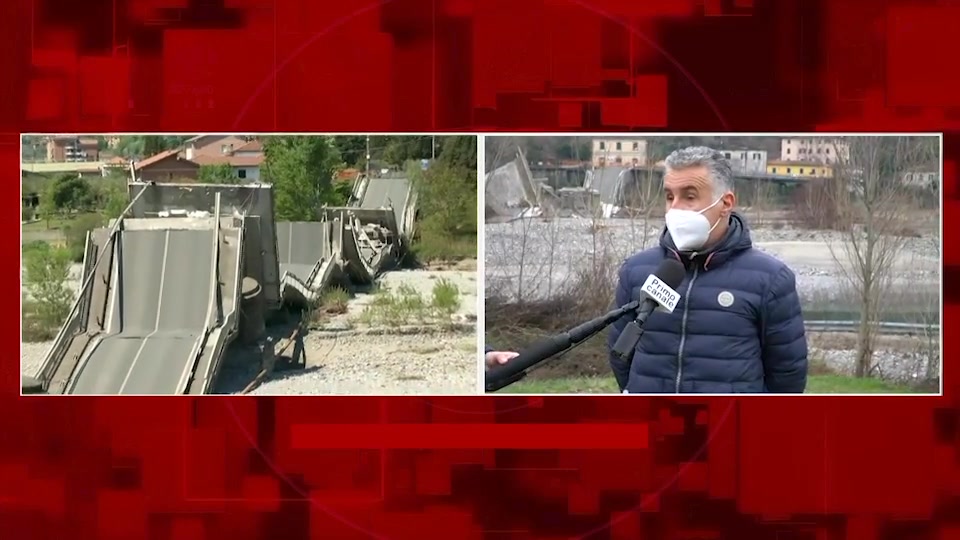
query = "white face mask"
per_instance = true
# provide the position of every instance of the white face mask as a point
(690, 230)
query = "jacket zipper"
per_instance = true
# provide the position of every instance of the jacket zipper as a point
(683, 328)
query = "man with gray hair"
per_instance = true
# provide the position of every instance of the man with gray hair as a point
(738, 327)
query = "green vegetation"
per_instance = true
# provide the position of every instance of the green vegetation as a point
(816, 384)
(394, 150)
(447, 203)
(334, 300)
(115, 201)
(395, 308)
(216, 174)
(301, 169)
(47, 274)
(68, 193)
(406, 305)
(75, 233)
(71, 206)
(140, 146)
(446, 297)
(341, 193)
(586, 368)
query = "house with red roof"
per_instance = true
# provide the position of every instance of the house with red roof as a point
(167, 167)
(243, 154)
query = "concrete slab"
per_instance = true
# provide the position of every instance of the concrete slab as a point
(300, 245)
(157, 313)
(387, 192)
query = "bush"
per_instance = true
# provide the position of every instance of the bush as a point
(446, 297)
(436, 246)
(32, 247)
(815, 205)
(334, 300)
(47, 274)
(114, 202)
(447, 203)
(340, 195)
(27, 213)
(76, 234)
(405, 305)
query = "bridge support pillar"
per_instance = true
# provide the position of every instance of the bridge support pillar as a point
(252, 316)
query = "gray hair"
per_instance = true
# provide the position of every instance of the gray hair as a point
(721, 174)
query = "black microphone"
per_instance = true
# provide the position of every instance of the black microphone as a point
(658, 291)
(515, 369)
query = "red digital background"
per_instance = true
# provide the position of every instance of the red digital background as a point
(242, 468)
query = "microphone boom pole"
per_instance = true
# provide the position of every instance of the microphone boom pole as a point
(516, 369)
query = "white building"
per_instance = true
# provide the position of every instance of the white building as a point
(922, 179)
(813, 149)
(747, 161)
(621, 152)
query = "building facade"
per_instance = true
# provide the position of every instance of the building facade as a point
(923, 179)
(62, 148)
(799, 169)
(813, 149)
(167, 167)
(242, 154)
(619, 152)
(747, 161)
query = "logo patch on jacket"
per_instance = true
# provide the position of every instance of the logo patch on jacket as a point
(725, 298)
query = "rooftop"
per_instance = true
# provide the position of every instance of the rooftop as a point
(156, 158)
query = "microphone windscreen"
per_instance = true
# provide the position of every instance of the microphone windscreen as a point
(671, 272)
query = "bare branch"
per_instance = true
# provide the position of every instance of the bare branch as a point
(874, 203)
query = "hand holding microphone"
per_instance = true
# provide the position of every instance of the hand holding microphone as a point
(497, 358)
(656, 291)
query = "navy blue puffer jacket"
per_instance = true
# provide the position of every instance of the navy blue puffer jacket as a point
(737, 329)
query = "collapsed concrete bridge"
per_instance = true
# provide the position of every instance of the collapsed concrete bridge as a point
(167, 287)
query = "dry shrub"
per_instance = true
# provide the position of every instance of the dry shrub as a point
(815, 205)
(588, 294)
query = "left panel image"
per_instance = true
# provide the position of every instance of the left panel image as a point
(186, 264)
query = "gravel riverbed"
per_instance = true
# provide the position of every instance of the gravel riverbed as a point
(536, 256)
(340, 359)
(432, 360)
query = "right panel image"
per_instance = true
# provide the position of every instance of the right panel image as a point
(713, 264)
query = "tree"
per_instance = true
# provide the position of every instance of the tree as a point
(870, 195)
(115, 202)
(67, 193)
(112, 196)
(301, 169)
(48, 209)
(341, 193)
(47, 273)
(643, 193)
(216, 174)
(141, 146)
(75, 234)
(447, 199)
(459, 151)
(72, 193)
(353, 149)
(400, 149)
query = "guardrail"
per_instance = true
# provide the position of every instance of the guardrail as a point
(67, 332)
(883, 327)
